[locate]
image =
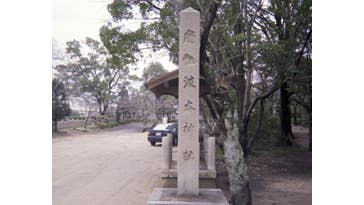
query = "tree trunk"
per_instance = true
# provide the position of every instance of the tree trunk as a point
(257, 132)
(295, 114)
(117, 116)
(55, 125)
(88, 116)
(237, 168)
(285, 117)
(101, 111)
(103, 105)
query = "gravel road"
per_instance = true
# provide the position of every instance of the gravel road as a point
(113, 167)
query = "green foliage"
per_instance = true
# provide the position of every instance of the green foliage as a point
(269, 131)
(95, 72)
(301, 77)
(123, 46)
(153, 70)
(159, 30)
(120, 10)
(272, 37)
(60, 106)
(292, 33)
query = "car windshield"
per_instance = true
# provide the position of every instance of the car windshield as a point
(163, 126)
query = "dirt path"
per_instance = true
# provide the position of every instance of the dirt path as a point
(282, 180)
(113, 167)
(284, 177)
(119, 167)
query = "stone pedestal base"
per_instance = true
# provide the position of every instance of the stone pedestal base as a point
(204, 172)
(168, 196)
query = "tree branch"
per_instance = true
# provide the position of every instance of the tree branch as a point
(152, 5)
(262, 97)
(303, 104)
(300, 54)
(257, 132)
(205, 34)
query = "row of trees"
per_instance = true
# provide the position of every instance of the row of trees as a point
(260, 50)
(101, 79)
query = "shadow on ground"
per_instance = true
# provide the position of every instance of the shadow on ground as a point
(281, 177)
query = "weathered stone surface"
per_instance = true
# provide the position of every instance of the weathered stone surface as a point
(203, 173)
(188, 103)
(166, 152)
(169, 196)
(210, 161)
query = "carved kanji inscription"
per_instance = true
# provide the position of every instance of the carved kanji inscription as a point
(188, 127)
(188, 59)
(189, 37)
(188, 155)
(189, 81)
(189, 105)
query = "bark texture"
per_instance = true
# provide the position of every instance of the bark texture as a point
(285, 117)
(236, 166)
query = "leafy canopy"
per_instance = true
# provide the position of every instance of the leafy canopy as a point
(94, 71)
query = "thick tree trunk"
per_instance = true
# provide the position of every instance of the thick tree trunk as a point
(237, 168)
(101, 111)
(285, 117)
(103, 105)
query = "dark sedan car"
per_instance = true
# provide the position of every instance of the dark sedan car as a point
(158, 132)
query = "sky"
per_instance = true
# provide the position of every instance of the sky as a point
(81, 18)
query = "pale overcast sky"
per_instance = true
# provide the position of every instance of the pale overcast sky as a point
(78, 19)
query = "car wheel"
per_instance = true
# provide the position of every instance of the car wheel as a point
(152, 143)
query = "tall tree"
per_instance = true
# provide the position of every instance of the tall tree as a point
(60, 106)
(121, 100)
(95, 71)
(291, 30)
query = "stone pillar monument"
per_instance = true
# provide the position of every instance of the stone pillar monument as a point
(188, 103)
(188, 157)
